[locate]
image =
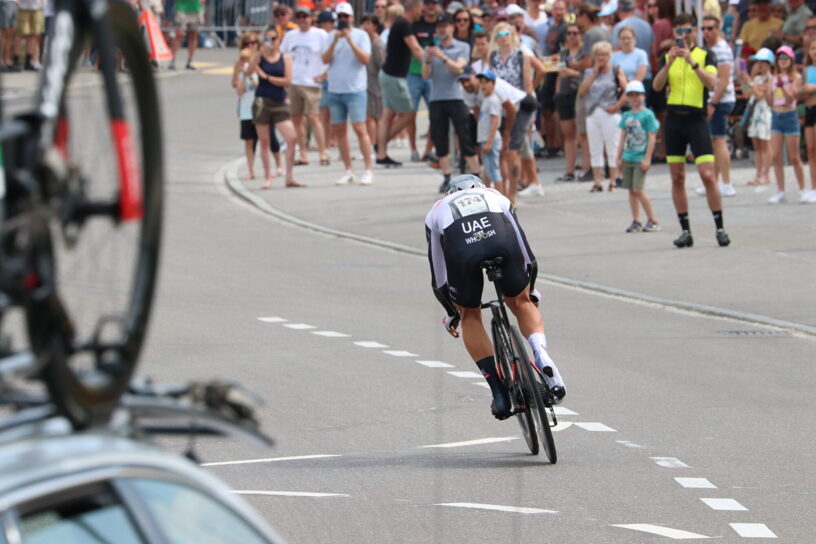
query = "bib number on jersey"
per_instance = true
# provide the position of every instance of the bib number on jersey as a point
(470, 204)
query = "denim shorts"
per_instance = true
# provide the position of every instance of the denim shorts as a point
(490, 159)
(419, 88)
(347, 105)
(786, 123)
(718, 125)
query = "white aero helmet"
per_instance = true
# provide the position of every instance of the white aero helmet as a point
(465, 181)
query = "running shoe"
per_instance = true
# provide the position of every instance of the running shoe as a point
(532, 190)
(727, 189)
(651, 226)
(387, 162)
(346, 179)
(684, 240)
(415, 156)
(443, 187)
(778, 198)
(809, 197)
(367, 178)
(701, 190)
(565, 177)
(635, 227)
(722, 238)
(586, 176)
(190, 66)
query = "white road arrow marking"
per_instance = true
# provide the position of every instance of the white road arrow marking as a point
(288, 493)
(331, 334)
(473, 442)
(669, 462)
(367, 344)
(561, 426)
(498, 507)
(752, 530)
(400, 353)
(272, 319)
(268, 460)
(299, 326)
(695, 483)
(674, 534)
(724, 504)
(435, 364)
(464, 374)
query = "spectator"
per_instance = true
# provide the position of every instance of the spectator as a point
(637, 142)
(283, 19)
(795, 23)
(643, 31)
(305, 46)
(374, 106)
(392, 13)
(380, 7)
(8, 26)
(478, 18)
(401, 46)
(465, 29)
(29, 29)
(690, 72)
(565, 96)
(274, 71)
(553, 41)
(720, 104)
(782, 93)
(347, 52)
(536, 19)
(756, 29)
(443, 64)
(189, 16)
(712, 7)
(663, 13)
(809, 90)
(759, 121)
(419, 87)
(325, 22)
(632, 60)
(778, 10)
(600, 91)
(488, 137)
(244, 82)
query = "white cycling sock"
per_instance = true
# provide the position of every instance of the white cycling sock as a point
(538, 341)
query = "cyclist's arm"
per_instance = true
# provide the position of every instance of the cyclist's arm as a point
(439, 283)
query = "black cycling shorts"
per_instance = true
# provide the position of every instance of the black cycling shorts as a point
(473, 239)
(687, 130)
(810, 116)
(444, 112)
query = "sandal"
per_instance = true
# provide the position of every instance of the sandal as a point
(301, 163)
(295, 184)
(596, 189)
(611, 187)
(325, 162)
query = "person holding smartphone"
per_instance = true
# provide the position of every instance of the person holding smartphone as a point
(690, 72)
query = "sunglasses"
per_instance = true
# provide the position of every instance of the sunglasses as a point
(503, 33)
(463, 20)
(301, 16)
(280, 14)
(253, 42)
(573, 33)
(684, 30)
(709, 28)
(343, 15)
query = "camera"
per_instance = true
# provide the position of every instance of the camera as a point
(342, 25)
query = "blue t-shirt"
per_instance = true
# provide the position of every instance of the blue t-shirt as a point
(644, 35)
(637, 127)
(346, 73)
(630, 62)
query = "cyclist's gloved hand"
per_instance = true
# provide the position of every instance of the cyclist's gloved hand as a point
(451, 323)
(535, 296)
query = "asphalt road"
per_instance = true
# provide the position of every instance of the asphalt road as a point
(677, 423)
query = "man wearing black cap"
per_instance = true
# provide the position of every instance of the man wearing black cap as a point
(442, 65)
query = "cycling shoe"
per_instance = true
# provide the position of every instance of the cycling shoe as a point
(501, 406)
(552, 395)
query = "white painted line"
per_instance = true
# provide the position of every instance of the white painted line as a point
(669, 462)
(674, 534)
(299, 326)
(399, 353)
(695, 483)
(596, 427)
(752, 530)
(498, 508)
(473, 442)
(288, 493)
(725, 504)
(331, 334)
(272, 319)
(268, 460)
(561, 426)
(628, 444)
(561, 411)
(481, 384)
(370, 344)
(464, 374)
(435, 364)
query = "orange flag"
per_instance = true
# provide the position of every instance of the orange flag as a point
(154, 40)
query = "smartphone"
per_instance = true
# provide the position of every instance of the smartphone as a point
(342, 24)
(679, 42)
(436, 41)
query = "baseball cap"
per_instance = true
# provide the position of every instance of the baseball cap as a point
(609, 9)
(488, 74)
(444, 19)
(626, 5)
(467, 73)
(764, 54)
(785, 50)
(500, 13)
(455, 6)
(635, 87)
(303, 9)
(514, 9)
(325, 17)
(344, 8)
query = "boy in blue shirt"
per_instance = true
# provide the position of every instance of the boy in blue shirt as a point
(638, 134)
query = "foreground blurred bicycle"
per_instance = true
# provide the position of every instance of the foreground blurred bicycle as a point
(80, 212)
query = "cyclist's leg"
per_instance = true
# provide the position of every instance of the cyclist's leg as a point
(477, 342)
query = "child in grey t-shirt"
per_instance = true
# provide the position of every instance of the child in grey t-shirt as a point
(487, 130)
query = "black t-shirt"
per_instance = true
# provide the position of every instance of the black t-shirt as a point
(555, 38)
(397, 54)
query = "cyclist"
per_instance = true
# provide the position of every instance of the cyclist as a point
(469, 225)
(690, 72)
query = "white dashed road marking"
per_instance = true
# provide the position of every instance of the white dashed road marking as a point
(367, 344)
(435, 364)
(752, 530)
(464, 374)
(674, 534)
(289, 493)
(561, 411)
(299, 326)
(272, 319)
(669, 462)
(628, 444)
(481, 384)
(724, 504)
(595, 426)
(400, 353)
(473, 442)
(498, 507)
(268, 460)
(331, 334)
(695, 483)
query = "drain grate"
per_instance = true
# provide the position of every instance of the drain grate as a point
(755, 333)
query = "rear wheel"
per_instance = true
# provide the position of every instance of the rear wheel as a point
(106, 230)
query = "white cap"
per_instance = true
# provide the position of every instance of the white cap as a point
(635, 86)
(514, 9)
(344, 7)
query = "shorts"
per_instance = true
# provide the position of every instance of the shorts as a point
(565, 106)
(346, 107)
(490, 159)
(189, 21)
(266, 111)
(527, 147)
(633, 176)
(30, 22)
(8, 14)
(303, 100)
(655, 100)
(683, 130)
(374, 106)
(786, 123)
(441, 114)
(324, 99)
(546, 93)
(419, 88)
(580, 115)
(520, 129)
(718, 125)
(248, 131)
(465, 249)
(395, 93)
(810, 116)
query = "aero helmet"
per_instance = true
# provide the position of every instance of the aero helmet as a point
(466, 181)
